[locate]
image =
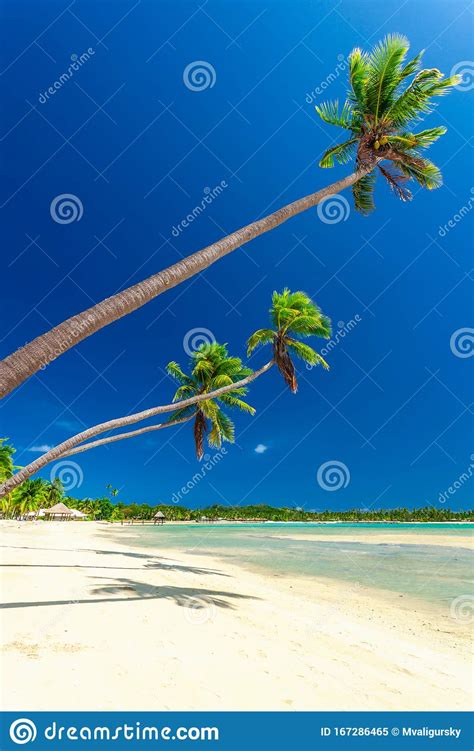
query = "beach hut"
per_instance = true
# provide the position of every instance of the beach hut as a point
(76, 514)
(59, 512)
(159, 518)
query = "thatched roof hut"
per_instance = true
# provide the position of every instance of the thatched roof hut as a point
(59, 511)
(159, 518)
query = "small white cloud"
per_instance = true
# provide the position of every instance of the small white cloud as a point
(260, 449)
(40, 449)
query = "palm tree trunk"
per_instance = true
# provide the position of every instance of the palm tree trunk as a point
(67, 446)
(38, 353)
(121, 436)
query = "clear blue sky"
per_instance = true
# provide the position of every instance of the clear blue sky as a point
(139, 148)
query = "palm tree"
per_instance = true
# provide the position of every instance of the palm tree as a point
(9, 504)
(6, 459)
(75, 444)
(31, 495)
(294, 316)
(379, 112)
(378, 108)
(211, 368)
(54, 492)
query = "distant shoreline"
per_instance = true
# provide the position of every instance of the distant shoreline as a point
(226, 522)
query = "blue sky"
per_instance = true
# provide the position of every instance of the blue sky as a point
(140, 149)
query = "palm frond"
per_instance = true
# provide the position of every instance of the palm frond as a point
(358, 72)
(306, 353)
(262, 336)
(232, 401)
(421, 140)
(175, 371)
(363, 194)
(329, 112)
(396, 182)
(411, 67)
(416, 100)
(384, 73)
(222, 430)
(427, 174)
(342, 153)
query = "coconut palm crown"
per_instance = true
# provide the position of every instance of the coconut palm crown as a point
(211, 368)
(381, 108)
(295, 316)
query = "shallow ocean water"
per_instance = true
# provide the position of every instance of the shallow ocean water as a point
(434, 573)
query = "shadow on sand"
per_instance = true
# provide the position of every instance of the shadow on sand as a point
(135, 590)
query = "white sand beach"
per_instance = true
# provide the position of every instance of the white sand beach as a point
(89, 623)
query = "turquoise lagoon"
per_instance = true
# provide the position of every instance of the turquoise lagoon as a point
(433, 573)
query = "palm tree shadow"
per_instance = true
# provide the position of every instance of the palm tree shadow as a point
(152, 561)
(132, 590)
(182, 596)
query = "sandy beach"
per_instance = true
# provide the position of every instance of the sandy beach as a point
(90, 623)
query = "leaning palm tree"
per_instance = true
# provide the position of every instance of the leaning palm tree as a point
(381, 108)
(81, 441)
(211, 369)
(295, 316)
(380, 105)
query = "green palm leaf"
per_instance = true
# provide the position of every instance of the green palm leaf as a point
(174, 370)
(363, 194)
(262, 336)
(307, 353)
(342, 153)
(427, 174)
(329, 112)
(232, 401)
(384, 73)
(358, 74)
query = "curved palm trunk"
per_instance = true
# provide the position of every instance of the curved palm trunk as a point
(67, 446)
(121, 436)
(27, 360)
